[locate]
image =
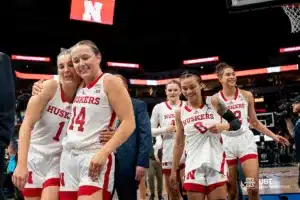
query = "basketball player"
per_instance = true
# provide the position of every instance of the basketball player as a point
(242, 146)
(42, 131)
(163, 124)
(201, 124)
(87, 166)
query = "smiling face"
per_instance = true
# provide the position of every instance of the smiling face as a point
(227, 77)
(86, 62)
(173, 91)
(66, 71)
(191, 88)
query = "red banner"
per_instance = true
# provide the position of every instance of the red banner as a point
(30, 58)
(98, 11)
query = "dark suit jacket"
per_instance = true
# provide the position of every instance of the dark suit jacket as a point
(7, 100)
(136, 150)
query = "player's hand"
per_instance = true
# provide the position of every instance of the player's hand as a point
(171, 129)
(96, 164)
(281, 140)
(173, 179)
(37, 87)
(139, 173)
(218, 128)
(106, 135)
(20, 176)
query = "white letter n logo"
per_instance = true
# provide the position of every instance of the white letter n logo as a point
(92, 12)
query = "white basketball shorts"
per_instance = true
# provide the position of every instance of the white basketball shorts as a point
(74, 175)
(242, 147)
(43, 172)
(205, 180)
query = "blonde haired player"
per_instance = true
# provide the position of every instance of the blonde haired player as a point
(242, 146)
(201, 126)
(163, 124)
(42, 131)
(87, 166)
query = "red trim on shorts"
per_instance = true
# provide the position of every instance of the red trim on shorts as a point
(214, 186)
(106, 194)
(94, 81)
(32, 192)
(168, 171)
(67, 195)
(51, 182)
(232, 162)
(248, 157)
(87, 190)
(223, 163)
(194, 187)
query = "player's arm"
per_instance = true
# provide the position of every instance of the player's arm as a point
(155, 130)
(233, 124)
(34, 109)
(120, 101)
(256, 124)
(179, 141)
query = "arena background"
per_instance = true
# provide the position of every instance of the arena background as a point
(149, 42)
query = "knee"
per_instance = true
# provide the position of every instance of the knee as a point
(252, 191)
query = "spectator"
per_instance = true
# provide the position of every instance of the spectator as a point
(295, 131)
(7, 111)
(155, 170)
(132, 157)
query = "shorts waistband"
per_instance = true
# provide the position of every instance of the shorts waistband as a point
(233, 133)
(81, 151)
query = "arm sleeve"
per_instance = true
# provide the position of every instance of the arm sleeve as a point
(156, 131)
(7, 100)
(144, 134)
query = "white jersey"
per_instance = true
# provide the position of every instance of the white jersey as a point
(48, 132)
(239, 106)
(91, 114)
(163, 115)
(203, 148)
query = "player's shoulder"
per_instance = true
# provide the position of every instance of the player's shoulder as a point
(213, 100)
(111, 78)
(50, 86)
(161, 104)
(246, 93)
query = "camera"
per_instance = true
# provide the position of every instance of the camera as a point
(285, 110)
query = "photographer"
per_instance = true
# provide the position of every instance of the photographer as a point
(294, 130)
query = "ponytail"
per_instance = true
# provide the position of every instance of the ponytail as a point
(203, 96)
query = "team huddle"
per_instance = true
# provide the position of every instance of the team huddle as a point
(61, 155)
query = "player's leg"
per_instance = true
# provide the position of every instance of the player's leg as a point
(96, 190)
(249, 161)
(52, 181)
(195, 185)
(231, 159)
(69, 180)
(173, 193)
(34, 185)
(217, 185)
